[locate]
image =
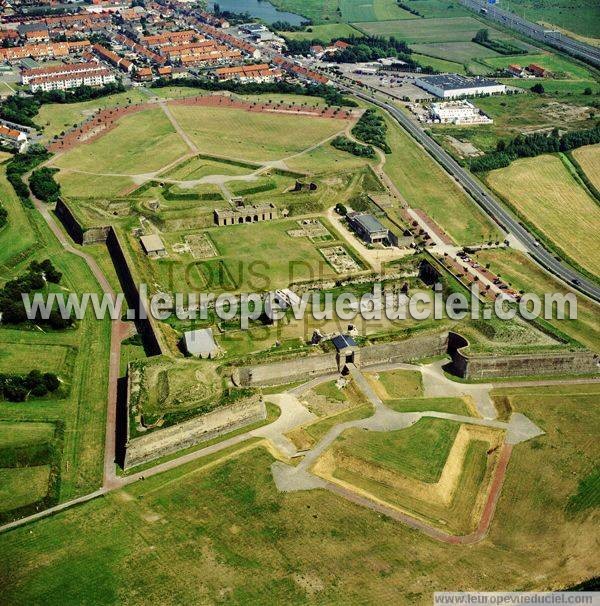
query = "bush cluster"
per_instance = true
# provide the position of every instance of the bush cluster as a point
(11, 303)
(503, 47)
(345, 144)
(527, 146)
(372, 129)
(44, 186)
(19, 165)
(17, 388)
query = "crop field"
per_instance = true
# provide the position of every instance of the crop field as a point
(253, 136)
(423, 31)
(441, 65)
(550, 198)
(458, 52)
(426, 186)
(141, 143)
(588, 158)
(221, 523)
(372, 10)
(523, 274)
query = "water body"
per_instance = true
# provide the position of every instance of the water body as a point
(262, 9)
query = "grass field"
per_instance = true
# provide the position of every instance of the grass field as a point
(55, 118)
(441, 65)
(20, 486)
(425, 185)
(221, 524)
(253, 136)
(555, 63)
(26, 357)
(372, 10)
(451, 405)
(199, 167)
(549, 197)
(401, 383)
(141, 143)
(325, 32)
(419, 451)
(21, 433)
(588, 158)
(84, 185)
(522, 274)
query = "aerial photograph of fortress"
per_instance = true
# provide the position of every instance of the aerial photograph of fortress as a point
(299, 302)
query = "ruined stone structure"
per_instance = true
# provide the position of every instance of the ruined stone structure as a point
(162, 442)
(245, 214)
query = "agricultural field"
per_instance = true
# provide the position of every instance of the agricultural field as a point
(441, 65)
(558, 65)
(582, 18)
(143, 142)
(372, 10)
(243, 135)
(548, 196)
(588, 158)
(523, 274)
(325, 32)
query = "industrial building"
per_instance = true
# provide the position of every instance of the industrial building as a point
(457, 112)
(449, 86)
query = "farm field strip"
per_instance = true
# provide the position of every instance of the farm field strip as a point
(550, 198)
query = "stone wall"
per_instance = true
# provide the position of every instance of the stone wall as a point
(68, 219)
(479, 366)
(289, 371)
(217, 423)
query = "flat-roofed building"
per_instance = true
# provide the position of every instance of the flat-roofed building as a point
(448, 86)
(153, 246)
(200, 343)
(368, 228)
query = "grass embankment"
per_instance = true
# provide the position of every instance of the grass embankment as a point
(221, 524)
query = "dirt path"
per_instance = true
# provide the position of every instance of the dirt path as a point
(167, 111)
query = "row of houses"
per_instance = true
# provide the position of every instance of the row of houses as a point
(531, 71)
(244, 73)
(49, 50)
(94, 77)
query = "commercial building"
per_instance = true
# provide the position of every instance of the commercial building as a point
(457, 112)
(449, 86)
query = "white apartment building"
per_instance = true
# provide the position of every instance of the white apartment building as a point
(59, 70)
(65, 82)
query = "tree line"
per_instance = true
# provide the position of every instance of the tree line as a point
(527, 146)
(329, 93)
(356, 149)
(43, 185)
(21, 164)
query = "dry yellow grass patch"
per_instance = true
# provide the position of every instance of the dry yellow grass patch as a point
(588, 158)
(548, 196)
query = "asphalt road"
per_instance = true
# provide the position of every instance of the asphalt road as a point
(488, 202)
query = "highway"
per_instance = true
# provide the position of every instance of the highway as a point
(493, 207)
(583, 51)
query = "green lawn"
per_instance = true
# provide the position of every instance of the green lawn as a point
(451, 405)
(402, 383)
(426, 186)
(83, 185)
(55, 118)
(441, 65)
(21, 486)
(20, 433)
(200, 167)
(220, 525)
(23, 357)
(254, 136)
(141, 143)
(325, 32)
(419, 451)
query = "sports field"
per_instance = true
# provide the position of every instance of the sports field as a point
(141, 143)
(257, 136)
(588, 158)
(549, 197)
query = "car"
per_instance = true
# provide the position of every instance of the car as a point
(576, 281)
